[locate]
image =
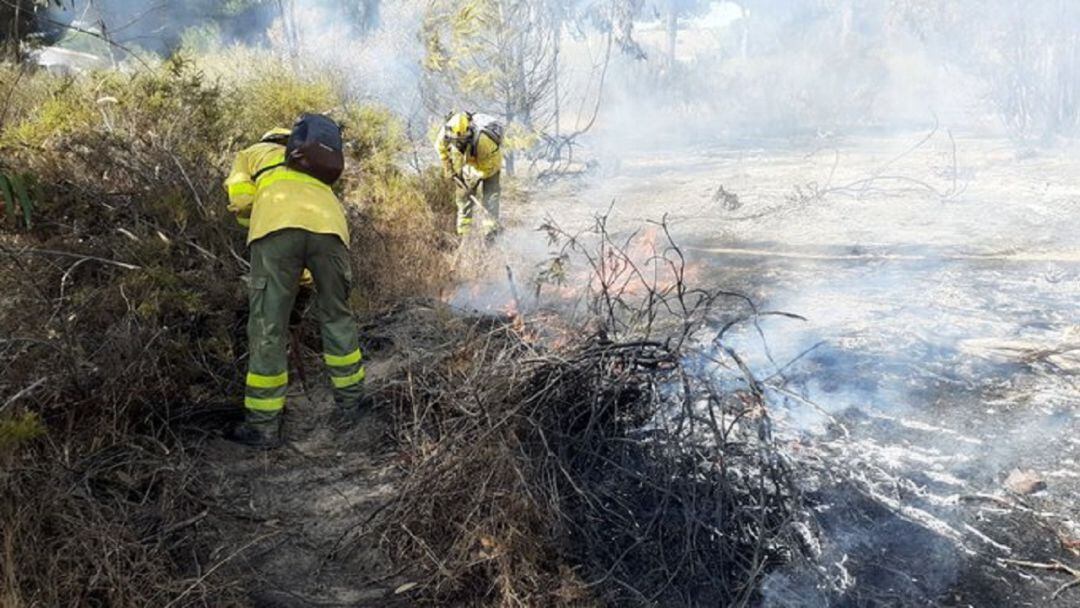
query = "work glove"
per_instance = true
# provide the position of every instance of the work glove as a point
(243, 216)
(303, 299)
(471, 175)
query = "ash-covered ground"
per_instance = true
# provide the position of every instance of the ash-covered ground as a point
(940, 352)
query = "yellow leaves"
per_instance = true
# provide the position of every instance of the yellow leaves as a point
(477, 81)
(457, 37)
(471, 19)
(517, 137)
(56, 117)
(274, 96)
(436, 58)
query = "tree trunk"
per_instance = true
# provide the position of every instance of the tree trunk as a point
(371, 15)
(16, 21)
(289, 25)
(847, 17)
(556, 42)
(508, 155)
(744, 44)
(672, 30)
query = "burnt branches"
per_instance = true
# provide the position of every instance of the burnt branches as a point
(617, 467)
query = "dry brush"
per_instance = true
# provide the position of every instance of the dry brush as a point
(631, 465)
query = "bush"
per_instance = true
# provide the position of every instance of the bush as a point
(124, 306)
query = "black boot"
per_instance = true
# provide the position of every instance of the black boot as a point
(259, 430)
(348, 415)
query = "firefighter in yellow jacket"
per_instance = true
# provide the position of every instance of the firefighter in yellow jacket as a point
(294, 222)
(470, 147)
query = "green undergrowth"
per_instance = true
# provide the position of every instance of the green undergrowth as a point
(123, 302)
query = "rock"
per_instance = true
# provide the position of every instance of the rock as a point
(1024, 482)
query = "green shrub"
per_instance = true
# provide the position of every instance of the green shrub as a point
(16, 430)
(263, 93)
(127, 288)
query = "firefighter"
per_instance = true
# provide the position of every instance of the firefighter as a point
(470, 148)
(294, 222)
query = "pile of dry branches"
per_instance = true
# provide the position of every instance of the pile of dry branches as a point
(620, 469)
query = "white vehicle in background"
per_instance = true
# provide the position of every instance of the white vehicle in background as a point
(59, 60)
(81, 49)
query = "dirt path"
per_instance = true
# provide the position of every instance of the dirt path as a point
(290, 524)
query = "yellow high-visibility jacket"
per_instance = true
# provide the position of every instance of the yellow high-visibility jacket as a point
(486, 158)
(281, 197)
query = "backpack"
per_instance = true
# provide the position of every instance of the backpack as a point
(487, 125)
(314, 148)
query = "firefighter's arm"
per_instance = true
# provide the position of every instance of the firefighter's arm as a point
(444, 153)
(469, 179)
(489, 158)
(241, 189)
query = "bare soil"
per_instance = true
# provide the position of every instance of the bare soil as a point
(941, 350)
(292, 524)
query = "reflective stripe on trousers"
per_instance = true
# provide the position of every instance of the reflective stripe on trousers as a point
(345, 370)
(277, 262)
(489, 195)
(266, 393)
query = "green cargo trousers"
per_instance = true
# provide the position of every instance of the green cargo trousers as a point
(277, 260)
(490, 195)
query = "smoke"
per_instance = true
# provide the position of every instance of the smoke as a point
(159, 27)
(381, 64)
(936, 266)
(816, 71)
(371, 46)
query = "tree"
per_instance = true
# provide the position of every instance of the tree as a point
(363, 14)
(502, 57)
(672, 12)
(19, 19)
(497, 56)
(1027, 53)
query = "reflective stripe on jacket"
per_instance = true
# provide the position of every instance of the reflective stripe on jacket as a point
(281, 198)
(487, 158)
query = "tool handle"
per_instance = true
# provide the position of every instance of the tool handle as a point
(470, 192)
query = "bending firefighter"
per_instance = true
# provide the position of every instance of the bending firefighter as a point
(470, 147)
(280, 188)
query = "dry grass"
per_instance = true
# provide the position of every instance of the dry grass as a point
(124, 311)
(610, 471)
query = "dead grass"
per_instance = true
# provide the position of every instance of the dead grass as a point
(123, 312)
(611, 470)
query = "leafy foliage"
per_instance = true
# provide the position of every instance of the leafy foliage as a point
(15, 192)
(496, 56)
